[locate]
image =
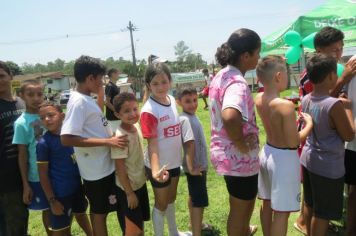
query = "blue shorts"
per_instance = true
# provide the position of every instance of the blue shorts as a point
(197, 189)
(39, 201)
(75, 203)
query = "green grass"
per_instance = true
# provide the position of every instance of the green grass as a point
(215, 214)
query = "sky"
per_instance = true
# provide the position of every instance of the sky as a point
(40, 31)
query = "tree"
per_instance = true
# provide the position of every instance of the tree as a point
(14, 68)
(181, 51)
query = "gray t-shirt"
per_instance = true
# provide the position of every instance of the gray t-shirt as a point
(193, 130)
(323, 152)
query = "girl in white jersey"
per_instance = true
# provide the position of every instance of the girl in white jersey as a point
(161, 127)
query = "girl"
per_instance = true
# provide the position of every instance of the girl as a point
(132, 193)
(234, 133)
(161, 127)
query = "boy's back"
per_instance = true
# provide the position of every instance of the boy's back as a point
(278, 118)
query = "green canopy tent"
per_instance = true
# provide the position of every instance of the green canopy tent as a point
(340, 14)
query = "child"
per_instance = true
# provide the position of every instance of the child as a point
(13, 211)
(323, 154)
(132, 193)
(27, 132)
(59, 175)
(85, 128)
(161, 127)
(279, 177)
(111, 90)
(234, 132)
(195, 159)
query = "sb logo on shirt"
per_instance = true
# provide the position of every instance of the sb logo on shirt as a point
(172, 131)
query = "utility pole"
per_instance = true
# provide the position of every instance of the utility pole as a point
(131, 28)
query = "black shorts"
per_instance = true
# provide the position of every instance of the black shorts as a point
(101, 194)
(172, 173)
(350, 167)
(197, 189)
(324, 195)
(136, 216)
(244, 188)
(75, 203)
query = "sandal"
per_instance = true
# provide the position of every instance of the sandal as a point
(253, 229)
(299, 229)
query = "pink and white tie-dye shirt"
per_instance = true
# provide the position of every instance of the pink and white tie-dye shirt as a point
(229, 89)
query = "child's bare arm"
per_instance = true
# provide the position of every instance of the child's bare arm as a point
(291, 135)
(347, 75)
(342, 120)
(308, 126)
(23, 165)
(121, 172)
(160, 175)
(190, 154)
(77, 141)
(100, 98)
(56, 207)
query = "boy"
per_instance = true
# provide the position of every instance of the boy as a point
(111, 90)
(323, 153)
(59, 175)
(279, 177)
(85, 128)
(350, 162)
(28, 131)
(13, 211)
(195, 163)
(328, 41)
(131, 188)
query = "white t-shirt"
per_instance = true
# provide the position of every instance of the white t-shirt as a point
(162, 122)
(85, 119)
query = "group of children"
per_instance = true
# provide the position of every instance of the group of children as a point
(66, 159)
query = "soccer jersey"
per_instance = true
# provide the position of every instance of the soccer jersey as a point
(62, 167)
(162, 122)
(85, 119)
(28, 131)
(230, 90)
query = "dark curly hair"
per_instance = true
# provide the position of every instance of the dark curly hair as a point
(327, 36)
(120, 99)
(320, 66)
(85, 66)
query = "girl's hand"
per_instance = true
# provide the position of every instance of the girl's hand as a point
(27, 194)
(162, 175)
(132, 201)
(247, 144)
(57, 208)
(347, 102)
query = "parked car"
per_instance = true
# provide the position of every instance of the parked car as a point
(64, 97)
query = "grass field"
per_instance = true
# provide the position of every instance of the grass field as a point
(215, 214)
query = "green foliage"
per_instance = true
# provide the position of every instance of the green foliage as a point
(186, 60)
(14, 68)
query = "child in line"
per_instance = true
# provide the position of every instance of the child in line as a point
(234, 142)
(195, 158)
(161, 127)
(323, 154)
(13, 211)
(279, 176)
(27, 132)
(59, 175)
(133, 203)
(85, 128)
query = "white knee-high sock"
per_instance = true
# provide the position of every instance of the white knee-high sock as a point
(158, 221)
(171, 220)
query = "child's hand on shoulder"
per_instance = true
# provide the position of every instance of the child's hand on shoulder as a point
(57, 208)
(132, 201)
(345, 101)
(118, 141)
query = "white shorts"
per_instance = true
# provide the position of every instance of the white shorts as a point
(279, 178)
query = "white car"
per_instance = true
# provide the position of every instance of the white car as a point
(64, 97)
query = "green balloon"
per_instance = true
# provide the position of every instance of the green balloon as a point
(293, 54)
(292, 38)
(308, 41)
(340, 69)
